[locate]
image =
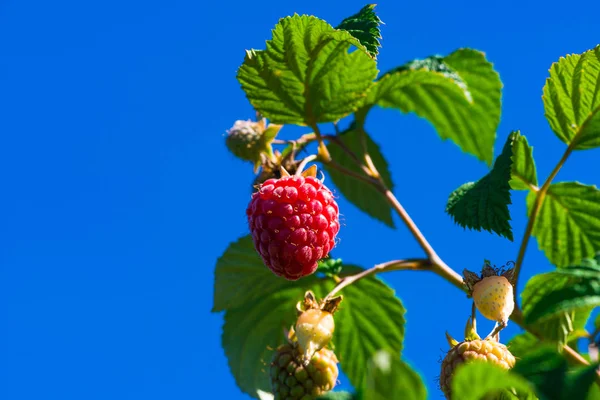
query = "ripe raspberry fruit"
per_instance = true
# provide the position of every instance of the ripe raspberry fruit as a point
(293, 380)
(487, 350)
(294, 221)
(492, 293)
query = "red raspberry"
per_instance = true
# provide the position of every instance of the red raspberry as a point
(294, 221)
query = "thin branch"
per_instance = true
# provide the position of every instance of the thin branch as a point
(305, 161)
(416, 264)
(577, 358)
(349, 172)
(323, 152)
(537, 206)
(497, 328)
(431, 254)
(338, 142)
(371, 168)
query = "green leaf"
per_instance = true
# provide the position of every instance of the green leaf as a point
(459, 94)
(260, 305)
(562, 291)
(364, 26)
(523, 173)
(436, 64)
(241, 277)
(336, 396)
(572, 99)
(548, 371)
(522, 344)
(594, 393)
(567, 227)
(359, 193)
(306, 74)
(489, 379)
(388, 377)
(484, 204)
(559, 328)
(580, 319)
(580, 381)
(557, 331)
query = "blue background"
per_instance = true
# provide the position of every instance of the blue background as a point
(118, 194)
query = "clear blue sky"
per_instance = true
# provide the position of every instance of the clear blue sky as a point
(118, 194)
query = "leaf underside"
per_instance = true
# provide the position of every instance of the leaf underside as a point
(484, 204)
(364, 26)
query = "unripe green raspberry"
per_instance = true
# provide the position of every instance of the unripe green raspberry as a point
(245, 140)
(293, 380)
(494, 298)
(314, 330)
(492, 292)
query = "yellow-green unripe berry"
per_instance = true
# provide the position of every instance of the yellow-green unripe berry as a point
(314, 330)
(494, 298)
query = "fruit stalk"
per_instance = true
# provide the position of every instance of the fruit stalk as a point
(537, 206)
(416, 264)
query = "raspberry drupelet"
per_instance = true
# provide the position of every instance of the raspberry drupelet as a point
(294, 221)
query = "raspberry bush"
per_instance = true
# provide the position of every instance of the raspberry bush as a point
(292, 310)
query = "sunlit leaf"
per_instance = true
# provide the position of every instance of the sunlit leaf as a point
(523, 173)
(475, 380)
(562, 291)
(459, 94)
(389, 377)
(306, 74)
(572, 99)
(567, 227)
